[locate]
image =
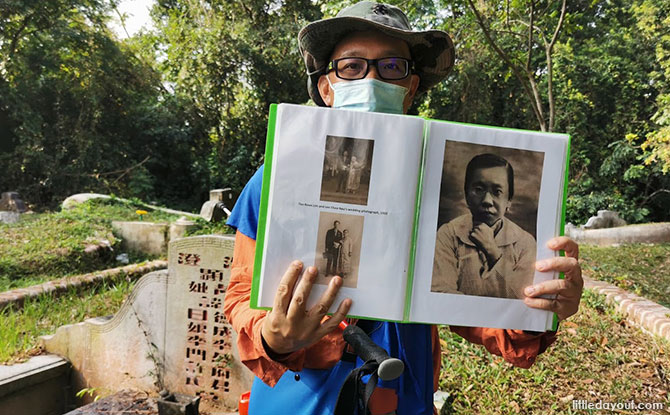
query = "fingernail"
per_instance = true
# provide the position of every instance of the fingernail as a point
(297, 264)
(542, 265)
(311, 270)
(529, 290)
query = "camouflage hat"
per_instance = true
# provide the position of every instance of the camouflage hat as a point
(432, 50)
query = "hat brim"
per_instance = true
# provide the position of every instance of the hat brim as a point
(432, 50)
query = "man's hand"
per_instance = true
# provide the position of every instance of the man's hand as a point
(483, 237)
(290, 326)
(568, 291)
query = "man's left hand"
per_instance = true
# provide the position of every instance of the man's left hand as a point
(568, 291)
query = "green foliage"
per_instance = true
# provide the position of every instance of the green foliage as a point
(173, 112)
(80, 112)
(653, 19)
(230, 61)
(209, 228)
(47, 246)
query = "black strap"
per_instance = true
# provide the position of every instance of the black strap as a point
(350, 401)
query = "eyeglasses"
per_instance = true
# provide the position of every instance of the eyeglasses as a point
(390, 69)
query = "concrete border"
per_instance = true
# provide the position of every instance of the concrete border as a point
(630, 234)
(18, 296)
(39, 386)
(651, 317)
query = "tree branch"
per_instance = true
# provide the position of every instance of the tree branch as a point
(17, 35)
(530, 35)
(525, 81)
(110, 173)
(554, 38)
(648, 198)
(550, 71)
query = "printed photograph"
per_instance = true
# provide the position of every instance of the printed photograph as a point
(338, 248)
(487, 220)
(347, 164)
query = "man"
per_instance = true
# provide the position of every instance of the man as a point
(366, 58)
(484, 253)
(333, 238)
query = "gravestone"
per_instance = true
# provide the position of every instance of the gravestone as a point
(216, 208)
(199, 355)
(604, 219)
(10, 202)
(9, 217)
(169, 334)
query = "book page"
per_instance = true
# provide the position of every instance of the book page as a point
(342, 197)
(491, 200)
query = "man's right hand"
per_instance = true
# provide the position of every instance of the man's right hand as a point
(290, 326)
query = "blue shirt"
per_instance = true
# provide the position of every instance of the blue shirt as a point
(315, 391)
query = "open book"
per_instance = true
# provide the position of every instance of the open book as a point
(427, 221)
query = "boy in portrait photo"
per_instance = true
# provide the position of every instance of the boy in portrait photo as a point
(483, 252)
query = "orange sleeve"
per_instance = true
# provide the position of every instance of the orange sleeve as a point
(515, 346)
(247, 324)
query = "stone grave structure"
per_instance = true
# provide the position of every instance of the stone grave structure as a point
(216, 208)
(11, 207)
(604, 219)
(151, 237)
(169, 334)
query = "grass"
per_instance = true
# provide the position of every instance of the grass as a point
(643, 269)
(47, 246)
(20, 329)
(597, 356)
(209, 228)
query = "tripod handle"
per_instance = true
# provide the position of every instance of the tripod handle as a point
(389, 367)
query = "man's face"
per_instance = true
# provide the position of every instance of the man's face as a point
(336, 225)
(488, 195)
(370, 45)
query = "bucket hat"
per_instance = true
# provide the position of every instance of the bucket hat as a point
(432, 50)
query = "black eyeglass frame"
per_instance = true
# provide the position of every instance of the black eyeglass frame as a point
(332, 66)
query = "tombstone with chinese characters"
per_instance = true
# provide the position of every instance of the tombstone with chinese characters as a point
(170, 333)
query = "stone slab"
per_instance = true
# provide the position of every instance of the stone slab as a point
(169, 334)
(200, 350)
(9, 217)
(646, 233)
(128, 403)
(149, 237)
(36, 370)
(122, 351)
(38, 386)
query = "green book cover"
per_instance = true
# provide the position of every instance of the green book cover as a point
(425, 220)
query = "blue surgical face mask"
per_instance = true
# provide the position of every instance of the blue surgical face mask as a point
(369, 95)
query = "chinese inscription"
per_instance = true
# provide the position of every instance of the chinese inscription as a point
(209, 343)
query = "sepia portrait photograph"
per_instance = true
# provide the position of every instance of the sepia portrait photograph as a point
(347, 164)
(486, 226)
(338, 248)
